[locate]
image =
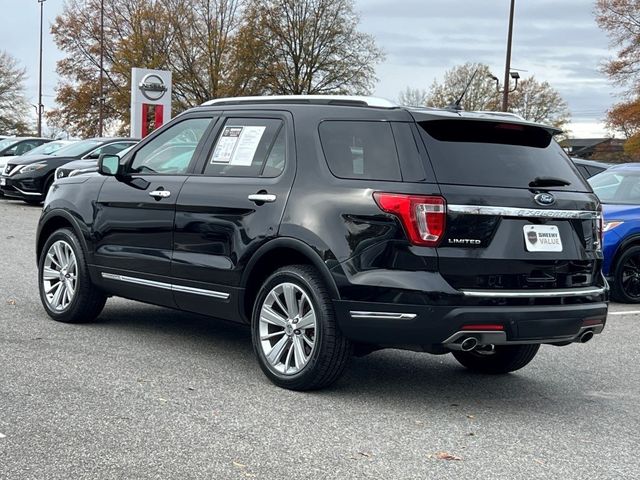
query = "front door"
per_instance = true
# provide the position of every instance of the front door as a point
(232, 208)
(134, 215)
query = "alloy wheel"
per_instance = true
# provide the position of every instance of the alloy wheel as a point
(287, 328)
(60, 275)
(630, 277)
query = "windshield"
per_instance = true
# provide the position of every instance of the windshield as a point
(77, 149)
(7, 142)
(617, 186)
(47, 148)
(498, 154)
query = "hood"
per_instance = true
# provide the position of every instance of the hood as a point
(7, 159)
(613, 211)
(80, 164)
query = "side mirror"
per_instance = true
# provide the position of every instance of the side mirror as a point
(109, 165)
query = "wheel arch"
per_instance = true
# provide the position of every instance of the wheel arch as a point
(275, 254)
(631, 241)
(55, 220)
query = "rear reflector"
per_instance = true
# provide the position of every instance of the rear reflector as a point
(423, 217)
(592, 322)
(484, 326)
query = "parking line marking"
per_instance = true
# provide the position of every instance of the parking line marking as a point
(628, 312)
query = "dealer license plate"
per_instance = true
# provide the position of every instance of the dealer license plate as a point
(542, 238)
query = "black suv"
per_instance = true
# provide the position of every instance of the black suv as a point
(335, 225)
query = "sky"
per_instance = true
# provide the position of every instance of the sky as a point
(555, 40)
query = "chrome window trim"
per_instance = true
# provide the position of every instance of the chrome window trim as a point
(522, 212)
(165, 286)
(383, 315)
(571, 292)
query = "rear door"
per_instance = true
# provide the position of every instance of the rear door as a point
(520, 215)
(231, 208)
(134, 215)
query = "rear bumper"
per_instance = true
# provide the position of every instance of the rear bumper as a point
(420, 327)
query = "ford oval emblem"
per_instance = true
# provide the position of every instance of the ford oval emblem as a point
(545, 199)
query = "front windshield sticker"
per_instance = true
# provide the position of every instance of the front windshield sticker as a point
(238, 145)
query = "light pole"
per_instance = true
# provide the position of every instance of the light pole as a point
(507, 68)
(40, 107)
(507, 87)
(101, 97)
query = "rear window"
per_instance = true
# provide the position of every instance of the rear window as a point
(495, 154)
(360, 150)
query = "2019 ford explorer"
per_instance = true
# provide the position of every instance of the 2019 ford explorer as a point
(338, 225)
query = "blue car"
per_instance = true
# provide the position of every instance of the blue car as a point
(619, 191)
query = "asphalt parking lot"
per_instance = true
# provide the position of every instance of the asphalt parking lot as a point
(153, 393)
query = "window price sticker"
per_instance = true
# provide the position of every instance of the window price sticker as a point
(237, 145)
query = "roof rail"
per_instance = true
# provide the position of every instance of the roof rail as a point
(344, 100)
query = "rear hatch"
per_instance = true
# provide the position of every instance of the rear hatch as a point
(519, 214)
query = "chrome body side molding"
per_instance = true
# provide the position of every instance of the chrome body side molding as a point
(383, 315)
(165, 286)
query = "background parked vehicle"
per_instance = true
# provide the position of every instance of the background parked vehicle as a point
(367, 226)
(619, 191)
(44, 149)
(589, 168)
(15, 146)
(82, 167)
(29, 178)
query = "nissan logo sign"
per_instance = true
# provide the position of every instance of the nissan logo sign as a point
(545, 199)
(152, 87)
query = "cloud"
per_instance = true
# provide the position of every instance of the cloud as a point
(556, 41)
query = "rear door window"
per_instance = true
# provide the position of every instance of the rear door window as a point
(360, 150)
(495, 154)
(249, 147)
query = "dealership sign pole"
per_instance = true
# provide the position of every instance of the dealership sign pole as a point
(150, 92)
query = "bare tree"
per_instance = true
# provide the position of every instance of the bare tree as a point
(481, 95)
(533, 100)
(314, 47)
(539, 102)
(413, 97)
(14, 108)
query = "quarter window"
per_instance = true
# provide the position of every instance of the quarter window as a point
(249, 147)
(360, 150)
(171, 152)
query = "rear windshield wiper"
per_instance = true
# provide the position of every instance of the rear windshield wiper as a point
(549, 182)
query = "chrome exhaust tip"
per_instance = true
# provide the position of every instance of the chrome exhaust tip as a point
(586, 336)
(468, 344)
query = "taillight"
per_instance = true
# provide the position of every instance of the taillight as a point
(423, 217)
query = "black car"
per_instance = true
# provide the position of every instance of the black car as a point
(31, 177)
(14, 146)
(366, 226)
(82, 167)
(589, 168)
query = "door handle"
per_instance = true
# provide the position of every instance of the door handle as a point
(158, 194)
(262, 197)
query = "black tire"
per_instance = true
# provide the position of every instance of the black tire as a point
(332, 351)
(88, 300)
(503, 359)
(626, 277)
